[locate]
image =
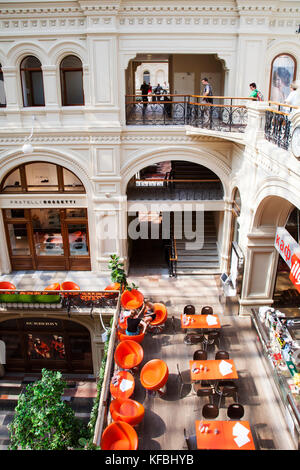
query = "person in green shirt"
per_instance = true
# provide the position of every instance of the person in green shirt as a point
(254, 92)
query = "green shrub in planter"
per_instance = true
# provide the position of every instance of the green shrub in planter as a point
(9, 297)
(47, 299)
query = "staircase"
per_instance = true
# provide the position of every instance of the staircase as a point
(80, 393)
(190, 171)
(202, 260)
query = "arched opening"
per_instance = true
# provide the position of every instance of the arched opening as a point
(175, 213)
(34, 343)
(71, 78)
(51, 237)
(283, 73)
(32, 82)
(146, 77)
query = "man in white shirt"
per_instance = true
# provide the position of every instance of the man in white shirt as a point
(294, 96)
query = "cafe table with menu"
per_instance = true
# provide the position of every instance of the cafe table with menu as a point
(226, 435)
(213, 369)
(200, 321)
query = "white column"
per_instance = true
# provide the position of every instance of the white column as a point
(13, 93)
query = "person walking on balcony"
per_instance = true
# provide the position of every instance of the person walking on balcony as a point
(144, 89)
(255, 93)
(207, 91)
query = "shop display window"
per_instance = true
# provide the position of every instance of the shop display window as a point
(47, 232)
(18, 237)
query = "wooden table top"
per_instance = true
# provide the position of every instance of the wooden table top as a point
(225, 438)
(115, 389)
(199, 321)
(213, 371)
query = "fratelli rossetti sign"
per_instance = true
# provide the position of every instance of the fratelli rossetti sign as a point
(289, 249)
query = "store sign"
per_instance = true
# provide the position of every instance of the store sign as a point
(290, 252)
(295, 271)
(286, 245)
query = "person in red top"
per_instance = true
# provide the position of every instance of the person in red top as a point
(41, 348)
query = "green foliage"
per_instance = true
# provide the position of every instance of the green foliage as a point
(42, 421)
(118, 273)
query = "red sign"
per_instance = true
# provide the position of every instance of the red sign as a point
(295, 271)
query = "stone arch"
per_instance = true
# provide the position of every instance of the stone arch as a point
(17, 53)
(273, 203)
(58, 51)
(11, 160)
(210, 160)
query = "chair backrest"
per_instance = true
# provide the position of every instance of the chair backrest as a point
(222, 355)
(189, 310)
(210, 411)
(207, 310)
(205, 392)
(200, 355)
(235, 411)
(179, 373)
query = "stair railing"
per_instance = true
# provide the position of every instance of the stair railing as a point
(173, 257)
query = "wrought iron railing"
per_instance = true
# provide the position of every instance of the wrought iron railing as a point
(278, 124)
(221, 115)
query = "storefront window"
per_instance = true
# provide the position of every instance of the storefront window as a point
(80, 348)
(12, 183)
(14, 213)
(41, 177)
(18, 239)
(78, 239)
(71, 182)
(13, 348)
(47, 232)
(76, 213)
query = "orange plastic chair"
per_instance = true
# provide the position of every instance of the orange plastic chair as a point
(131, 299)
(69, 285)
(124, 337)
(54, 286)
(119, 436)
(128, 354)
(130, 411)
(7, 285)
(161, 314)
(114, 286)
(115, 388)
(154, 374)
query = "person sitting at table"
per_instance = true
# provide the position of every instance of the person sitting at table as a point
(134, 321)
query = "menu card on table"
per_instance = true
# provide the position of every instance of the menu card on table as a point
(225, 368)
(241, 434)
(125, 385)
(211, 320)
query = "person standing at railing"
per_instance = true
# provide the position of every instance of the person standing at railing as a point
(144, 89)
(207, 91)
(167, 105)
(294, 96)
(157, 92)
(255, 93)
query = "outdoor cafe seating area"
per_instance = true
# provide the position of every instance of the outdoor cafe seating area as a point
(210, 373)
